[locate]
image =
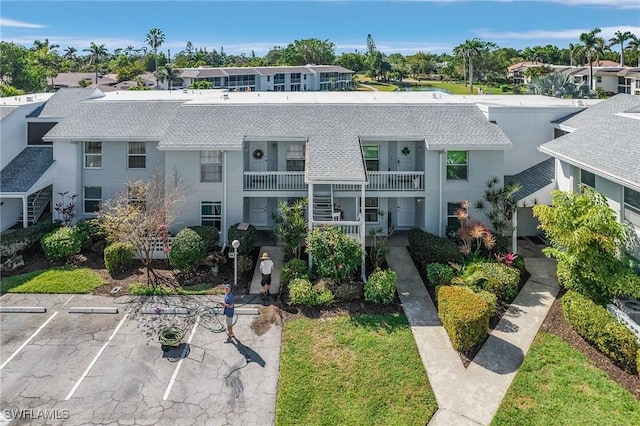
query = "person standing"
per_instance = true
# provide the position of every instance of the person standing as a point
(266, 267)
(228, 311)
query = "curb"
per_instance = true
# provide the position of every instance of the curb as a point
(92, 310)
(23, 309)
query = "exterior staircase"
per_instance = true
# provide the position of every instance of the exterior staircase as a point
(36, 204)
(322, 208)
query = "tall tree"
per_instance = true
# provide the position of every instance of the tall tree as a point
(97, 53)
(309, 51)
(155, 38)
(371, 45)
(634, 46)
(589, 44)
(473, 48)
(619, 38)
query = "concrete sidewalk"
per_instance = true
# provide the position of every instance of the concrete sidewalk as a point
(472, 396)
(278, 259)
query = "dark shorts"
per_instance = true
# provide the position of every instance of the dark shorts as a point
(266, 279)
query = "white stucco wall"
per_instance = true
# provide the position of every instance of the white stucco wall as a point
(67, 166)
(563, 175)
(13, 136)
(9, 211)
(527, 128)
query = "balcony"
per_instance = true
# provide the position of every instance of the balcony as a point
(294, 181)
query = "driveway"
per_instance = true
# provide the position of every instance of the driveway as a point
(60, 367)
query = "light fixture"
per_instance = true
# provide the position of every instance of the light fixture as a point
(235, 244)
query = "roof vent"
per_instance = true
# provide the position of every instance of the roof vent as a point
(29, 98)
(185, 90)
(225, 96)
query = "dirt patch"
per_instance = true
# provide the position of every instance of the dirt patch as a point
(269, 315)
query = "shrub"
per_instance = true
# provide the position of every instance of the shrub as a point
(245, 263)
(490, 299)
(301, 292)
(334, 253)
(20, 239)
(601, 328)
(247, 238)
(118, 256)
(429, 248)
(500, 279)
(293, 269)
(210, 237)
(439, 274)
(381, 286)
(187, 250)
(464, 315)
(61, 243)
(505, 88)
(88, 230)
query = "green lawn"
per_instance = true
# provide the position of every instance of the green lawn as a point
(361, 370)
(558, 385)
(56, 280)
(456, 88)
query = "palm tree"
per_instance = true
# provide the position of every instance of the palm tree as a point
(155, 38)
(70, 53)
(575, 54)
(473, 48)
(589, 43)
(634, 45)
(128, 50)
(619, 38)
(97, 52)
(460, 51)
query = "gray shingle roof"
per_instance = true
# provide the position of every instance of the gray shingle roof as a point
(534, 178)
(25, 169)
(112, 120)
(599, 113)
(66, 102)
(607, 144)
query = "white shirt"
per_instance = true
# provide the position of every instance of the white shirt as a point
(266, 266)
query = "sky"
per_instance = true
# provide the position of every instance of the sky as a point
(405, 27)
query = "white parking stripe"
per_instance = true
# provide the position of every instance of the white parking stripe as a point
(68, 300)
(182, 356)
(96, 358)
(28, 340)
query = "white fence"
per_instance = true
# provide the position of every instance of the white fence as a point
(158, 248)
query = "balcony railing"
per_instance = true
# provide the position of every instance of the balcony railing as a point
(390, 181)
(274, 181)
(294, 181)
(351, 228)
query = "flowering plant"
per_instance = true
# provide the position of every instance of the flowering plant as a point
(335, 254)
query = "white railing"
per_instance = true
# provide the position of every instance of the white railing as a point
(390, 181)
(274, 181)
(158, 248)
(351, 228)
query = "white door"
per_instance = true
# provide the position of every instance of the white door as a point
(258, 211)
(406, 212)
(258, 156)
(406, 156)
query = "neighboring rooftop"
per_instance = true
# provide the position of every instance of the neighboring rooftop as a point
(600, 113)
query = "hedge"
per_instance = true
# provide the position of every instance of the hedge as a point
(429, 248)
(187, 250)
(500, 279)
(381, 286)
(210, 237)
(118, 256)
(439, 274)
(296, 268)
(61, 243)
(601, 328)
(301, 292)
(247, 238)
(464, 315)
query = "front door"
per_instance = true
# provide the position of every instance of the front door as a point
(406, 156)
(406, 212)
(258, 156)
(258, 211)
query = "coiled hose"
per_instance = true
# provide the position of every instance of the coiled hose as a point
(171, 336)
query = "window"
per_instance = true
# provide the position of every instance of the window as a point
(137, 196)
(93, 155)
(372, 157)
(457, 164)
(137, 155)
(599, 79)
(632, 206)
(92, 198)
(371, 210)
(588, 178)
(453, 223)
(295, 158)
(210, 166)
(211, 214)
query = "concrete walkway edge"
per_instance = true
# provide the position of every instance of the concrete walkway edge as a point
(473, 395)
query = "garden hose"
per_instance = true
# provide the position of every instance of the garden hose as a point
(171, 336)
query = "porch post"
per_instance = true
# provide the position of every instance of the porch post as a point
(25, 211)
(514, 234)
(310, 218)
(362, 233)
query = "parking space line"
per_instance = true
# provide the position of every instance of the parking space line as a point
(68, 300)
(182, 356)
(96, 358)
(28, 340)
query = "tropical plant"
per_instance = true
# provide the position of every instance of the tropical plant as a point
(378, 249)
(97, 53)
(634, 46)
(66, 208)
(334, 253)
(474, 234)
(590, 42)
(559, 85)
(586, 239)
(619, 38)
(290, 227)
(381, 286)
(155, 38)
(499, 204)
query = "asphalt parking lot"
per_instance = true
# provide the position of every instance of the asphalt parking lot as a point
(59, 367)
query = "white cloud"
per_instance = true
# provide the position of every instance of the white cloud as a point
(565, 34)
(4, 22)
(617, 4)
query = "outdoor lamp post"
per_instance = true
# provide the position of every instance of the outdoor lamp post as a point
(235, 244)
